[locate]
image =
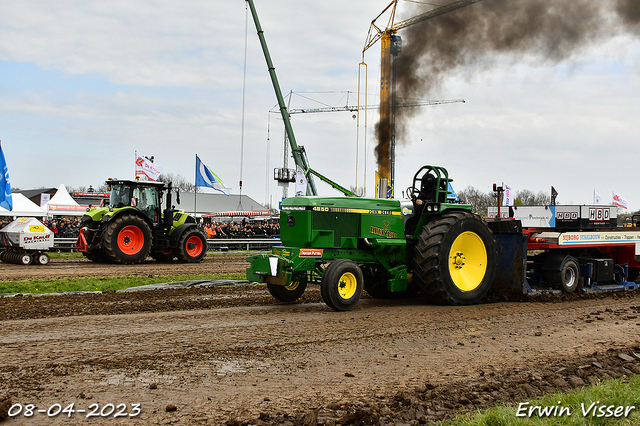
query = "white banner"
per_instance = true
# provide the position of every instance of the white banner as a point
(618, 200)
(146, 168)
(301, 182)
(44, 199)
(509, 196)
(596, 197)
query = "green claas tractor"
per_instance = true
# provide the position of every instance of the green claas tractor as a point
(134, 226)
(428, 244)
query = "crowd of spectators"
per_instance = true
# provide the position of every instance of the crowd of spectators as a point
(61, 227)
(4, 222)
(68, 227)
(244, 229)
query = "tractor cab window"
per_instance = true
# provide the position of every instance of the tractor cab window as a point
(147, 200)
(120, 196)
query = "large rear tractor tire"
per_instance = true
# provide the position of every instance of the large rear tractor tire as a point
(192, 246)
(455, 259)
(342, 284)
(127, 239)
(289, 293)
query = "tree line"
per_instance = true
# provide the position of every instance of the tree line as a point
(481, 201)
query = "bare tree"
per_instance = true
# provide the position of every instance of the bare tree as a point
(178, 181)
(526, 197)
(478, 200)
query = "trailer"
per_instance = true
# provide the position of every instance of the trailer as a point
(569, 248)
(24, 241)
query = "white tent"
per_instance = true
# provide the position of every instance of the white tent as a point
(22, 206)
(62, 204)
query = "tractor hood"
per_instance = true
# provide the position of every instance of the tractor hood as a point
(96, 214)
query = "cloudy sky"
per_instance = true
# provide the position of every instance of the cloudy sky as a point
(86, 83)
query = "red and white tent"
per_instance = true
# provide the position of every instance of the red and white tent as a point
(61, 204)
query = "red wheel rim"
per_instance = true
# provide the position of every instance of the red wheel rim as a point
(130, 239)
(194, 246)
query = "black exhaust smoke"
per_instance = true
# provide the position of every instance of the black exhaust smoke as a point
(476, 37)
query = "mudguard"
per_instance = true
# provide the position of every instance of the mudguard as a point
(177, 233)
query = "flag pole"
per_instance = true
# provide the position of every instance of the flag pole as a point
(195, 192)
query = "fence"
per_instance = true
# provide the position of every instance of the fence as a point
(223, 244)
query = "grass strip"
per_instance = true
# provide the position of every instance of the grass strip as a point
(587, 406)
(79, 255)
(103, 283)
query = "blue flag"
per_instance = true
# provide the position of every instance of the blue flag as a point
(6, 200)
(205, 177)
(451, 194)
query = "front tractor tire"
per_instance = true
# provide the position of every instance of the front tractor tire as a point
(127, 239)
(192, 246)
(342, 284)
(455, 259)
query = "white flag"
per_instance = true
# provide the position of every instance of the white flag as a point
(508, 199)
(596, 197)
(618, 200)
(146, 168)
(301, 182)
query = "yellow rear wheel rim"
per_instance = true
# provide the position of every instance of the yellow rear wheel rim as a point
(468, 261)
(347, 285)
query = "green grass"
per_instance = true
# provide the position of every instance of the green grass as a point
(103, 283)
(79, 255)
(616, 392)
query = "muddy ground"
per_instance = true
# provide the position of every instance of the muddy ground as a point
(233, 355)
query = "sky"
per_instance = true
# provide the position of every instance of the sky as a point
(86, 83)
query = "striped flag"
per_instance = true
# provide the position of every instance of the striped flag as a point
(205, 177)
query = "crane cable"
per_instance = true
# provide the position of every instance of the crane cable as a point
(244, 92)
(361, 66)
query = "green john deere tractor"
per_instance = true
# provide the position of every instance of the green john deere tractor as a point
(134, 226)
(429, 244)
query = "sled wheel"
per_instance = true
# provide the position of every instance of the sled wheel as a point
(42, 259)
(288, 293)
(192, 246)
(127, 239)
(455, 259)
(568, 277)
(342, 284)
(25, 258)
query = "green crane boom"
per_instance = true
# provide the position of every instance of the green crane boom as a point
(297, 151)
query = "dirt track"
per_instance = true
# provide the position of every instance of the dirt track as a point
(70, 268)
(233, 355)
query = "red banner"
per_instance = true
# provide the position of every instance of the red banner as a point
(62, 207)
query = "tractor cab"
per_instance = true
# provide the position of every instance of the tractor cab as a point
(144, 196)
(429, 191)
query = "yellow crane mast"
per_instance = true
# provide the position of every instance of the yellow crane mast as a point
(391, 46)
